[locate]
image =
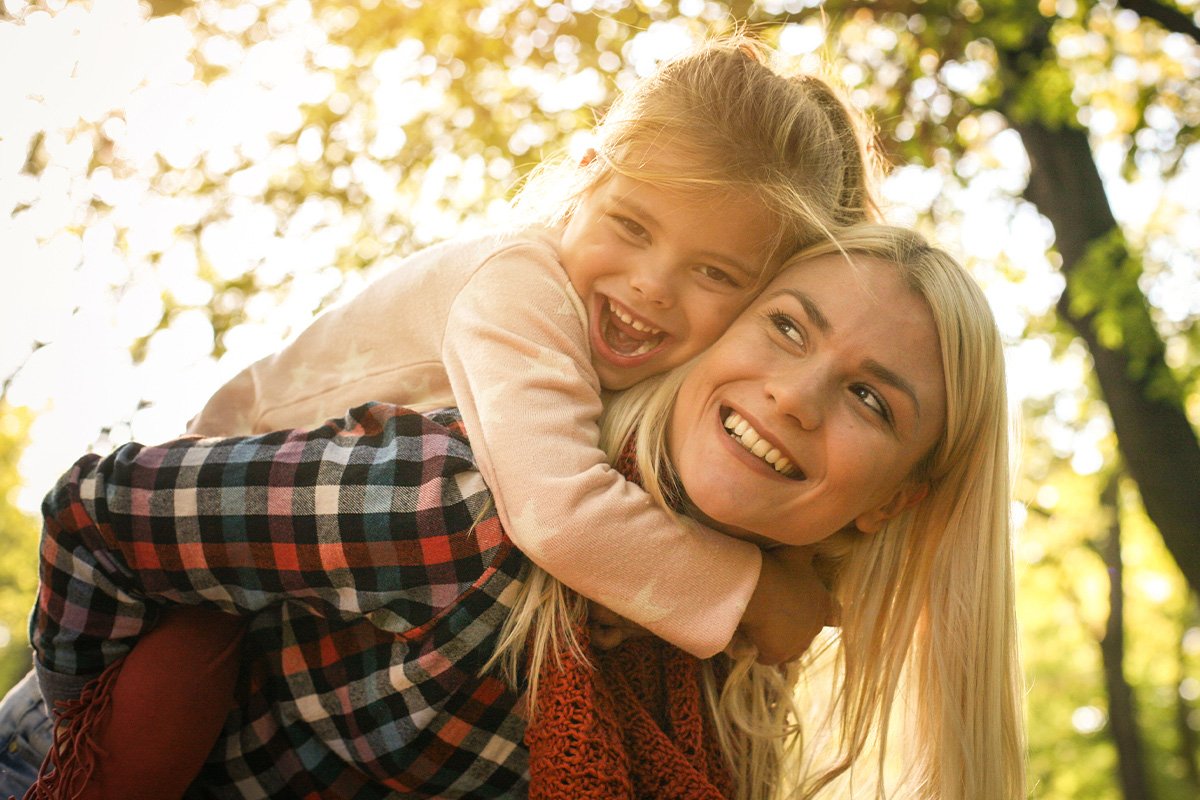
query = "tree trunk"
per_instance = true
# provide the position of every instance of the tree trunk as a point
(1156, 441)
(1188, 745)
(1122, 714)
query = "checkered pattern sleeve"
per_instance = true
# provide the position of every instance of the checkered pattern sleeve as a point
(376, 514)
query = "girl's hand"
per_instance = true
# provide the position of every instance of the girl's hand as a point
(608, 628)
(789, 606)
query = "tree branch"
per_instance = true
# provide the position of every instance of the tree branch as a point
(1170, 18)
(1122, 710)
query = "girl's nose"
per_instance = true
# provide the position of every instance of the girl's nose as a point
(653, 282)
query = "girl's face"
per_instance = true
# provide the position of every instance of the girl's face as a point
(811, 412)
(662, 272)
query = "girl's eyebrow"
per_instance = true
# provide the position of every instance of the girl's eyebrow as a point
(627, 203)
(818, 318)
(648, 220)
(624, 202)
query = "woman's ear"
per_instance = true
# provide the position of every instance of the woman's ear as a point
(588, 157)
(905, 497)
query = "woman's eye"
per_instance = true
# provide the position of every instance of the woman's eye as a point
(872, 400)
(788, 327)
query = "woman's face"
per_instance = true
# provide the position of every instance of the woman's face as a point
(811, 411)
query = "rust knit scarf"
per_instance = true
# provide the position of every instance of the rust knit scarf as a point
(633, 728)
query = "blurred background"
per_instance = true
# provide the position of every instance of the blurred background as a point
(183, 185)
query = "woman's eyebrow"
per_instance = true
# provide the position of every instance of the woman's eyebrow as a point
(815, 315)
(895, 380)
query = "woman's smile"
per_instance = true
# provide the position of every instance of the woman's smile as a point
(760, 445)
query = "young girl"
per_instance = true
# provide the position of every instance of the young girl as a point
(704, 177)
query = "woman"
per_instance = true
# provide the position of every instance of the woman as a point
(879, 390)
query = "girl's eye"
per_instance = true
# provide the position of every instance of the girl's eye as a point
(872, 400)
(719, 275)
(632, 227)
(788, 328)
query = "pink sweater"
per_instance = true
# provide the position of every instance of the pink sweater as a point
(492, 325)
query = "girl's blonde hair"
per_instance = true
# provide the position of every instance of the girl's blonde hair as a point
(721, 117)
(928, 601)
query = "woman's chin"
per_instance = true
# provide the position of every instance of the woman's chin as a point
(696, 513)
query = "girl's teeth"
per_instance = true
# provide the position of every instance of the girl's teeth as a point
(637, 325)
(748, 437)
(635, 339)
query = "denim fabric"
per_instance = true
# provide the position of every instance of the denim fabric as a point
(25, 731)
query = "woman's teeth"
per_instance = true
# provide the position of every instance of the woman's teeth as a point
(749, 438)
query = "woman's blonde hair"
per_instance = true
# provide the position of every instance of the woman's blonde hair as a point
(721, 117)
(928, 601)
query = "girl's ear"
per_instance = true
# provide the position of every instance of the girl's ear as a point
(588, 157)
(905, 497)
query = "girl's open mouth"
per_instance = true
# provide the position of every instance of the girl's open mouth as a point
(623, 335)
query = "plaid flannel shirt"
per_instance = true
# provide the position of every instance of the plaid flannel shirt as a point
(370, 560)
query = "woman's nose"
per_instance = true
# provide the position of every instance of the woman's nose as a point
(797, 394)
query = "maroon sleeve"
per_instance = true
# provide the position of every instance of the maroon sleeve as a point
(143, 729)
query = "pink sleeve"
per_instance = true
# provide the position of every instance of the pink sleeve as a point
(516, 353)
(383, 344)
